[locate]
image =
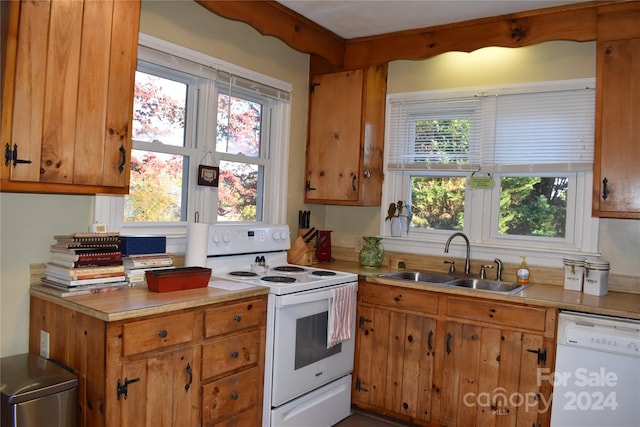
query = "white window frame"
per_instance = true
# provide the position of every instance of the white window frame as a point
(109, 209)
(481, 205)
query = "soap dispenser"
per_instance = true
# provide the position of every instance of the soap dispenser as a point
(522, 276)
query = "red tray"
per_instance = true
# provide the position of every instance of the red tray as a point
(176, 279)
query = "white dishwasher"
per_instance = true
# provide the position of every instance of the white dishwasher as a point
(597, 374)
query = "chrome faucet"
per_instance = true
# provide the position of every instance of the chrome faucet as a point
(467, 261)
(499, 270)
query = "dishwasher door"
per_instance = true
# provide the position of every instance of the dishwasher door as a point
(597, 373)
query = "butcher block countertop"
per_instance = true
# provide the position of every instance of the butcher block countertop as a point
(139, 301)
(546, 295)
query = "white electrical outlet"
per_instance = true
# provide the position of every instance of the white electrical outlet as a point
(44, 344)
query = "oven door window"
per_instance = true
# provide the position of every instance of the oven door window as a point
(311, 340)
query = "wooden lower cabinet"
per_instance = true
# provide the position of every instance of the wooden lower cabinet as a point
(200, 366)
(456, 361)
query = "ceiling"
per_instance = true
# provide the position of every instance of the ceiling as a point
(359, 18)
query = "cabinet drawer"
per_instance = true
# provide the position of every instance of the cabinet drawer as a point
(396, 296)
(231, 395)
(233, 352)
(252, 417)
(154, 334)
(235, 317)
(513, 315)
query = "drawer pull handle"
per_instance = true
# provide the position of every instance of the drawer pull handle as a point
(189, 370)
(237, 318)
(430, 341)
(235, 355)
(163, 333)
(235, 395)
(449, 336)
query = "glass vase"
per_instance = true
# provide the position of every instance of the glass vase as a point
(372, 252)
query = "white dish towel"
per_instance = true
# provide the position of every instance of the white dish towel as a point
(342, 307)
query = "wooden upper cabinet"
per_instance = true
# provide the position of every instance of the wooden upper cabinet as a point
(616, 172)
(346, 137)
(67, 101)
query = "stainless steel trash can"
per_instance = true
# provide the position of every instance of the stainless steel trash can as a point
(37, 392)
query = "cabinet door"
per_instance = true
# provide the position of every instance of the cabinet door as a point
(162, 390)
(395, 362)
(491, 377)
(67, 101)
(334, 147)
(616, 191)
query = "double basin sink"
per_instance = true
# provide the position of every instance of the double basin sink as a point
(453, 281)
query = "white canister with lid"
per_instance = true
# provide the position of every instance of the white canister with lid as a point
(573, 273)
(596, 279)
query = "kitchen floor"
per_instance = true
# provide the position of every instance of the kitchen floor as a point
(362, 419)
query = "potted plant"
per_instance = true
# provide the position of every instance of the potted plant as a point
(397, 218)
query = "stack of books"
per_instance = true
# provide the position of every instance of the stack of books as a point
(84, 263)
(136, 266)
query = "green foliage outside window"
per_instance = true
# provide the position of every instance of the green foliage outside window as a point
(437, 202)
(533, 206)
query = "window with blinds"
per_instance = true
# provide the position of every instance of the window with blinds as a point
(531, 144)
(550, 130)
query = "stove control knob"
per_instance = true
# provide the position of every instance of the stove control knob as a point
(225, 238)
(283, 235)
(276, 235)
(216, 238)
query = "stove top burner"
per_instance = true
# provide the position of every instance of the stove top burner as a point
(278, 279)
(243, 273)
(323, 273)
(289, 269)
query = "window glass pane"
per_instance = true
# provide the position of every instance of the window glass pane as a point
(533, 206)
(159, 107)
(157, 188)
(239, 186)
(238, 126)
(437, 202)
(442, 141)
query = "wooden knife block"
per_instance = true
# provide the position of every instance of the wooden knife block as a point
(301, 253)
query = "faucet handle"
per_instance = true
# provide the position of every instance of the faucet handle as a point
(483, 273)
(452, 267)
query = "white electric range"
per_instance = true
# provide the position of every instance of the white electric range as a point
(307, 379)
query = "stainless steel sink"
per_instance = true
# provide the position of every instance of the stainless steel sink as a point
(419, 276)
(488, 285)
(448, 280)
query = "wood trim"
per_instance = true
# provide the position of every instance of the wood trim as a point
(270, 18)
(331, 53)
(49, 188)
(576, 23)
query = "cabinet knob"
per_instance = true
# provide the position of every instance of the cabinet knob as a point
(235, 395)
(237, 318)
(163, 333)
(367, 173)
(235, 354)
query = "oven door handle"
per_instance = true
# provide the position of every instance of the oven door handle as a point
(306, 297)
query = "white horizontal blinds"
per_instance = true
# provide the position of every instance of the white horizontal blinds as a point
(216, 72)
(255, 87)
(543, 132)
(442, 134)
